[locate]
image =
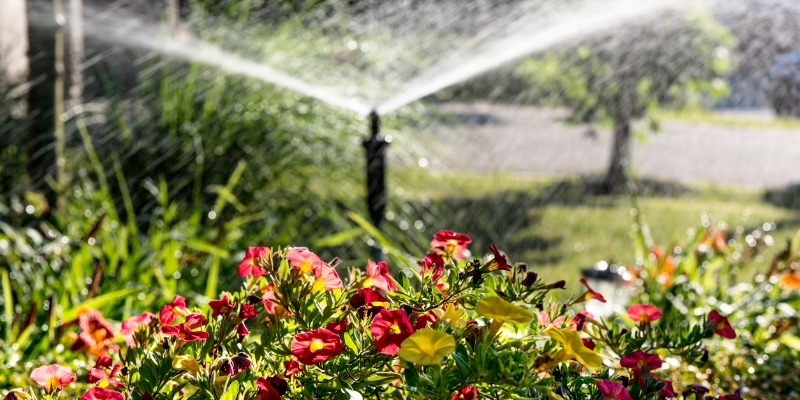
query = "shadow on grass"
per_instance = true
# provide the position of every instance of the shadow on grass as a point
(511, 218)
(786, 197)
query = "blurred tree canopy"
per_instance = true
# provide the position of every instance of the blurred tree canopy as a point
(619, 75)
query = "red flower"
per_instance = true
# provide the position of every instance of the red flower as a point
(451, 243)
(589, 294)
(271, 388)
(250, 265)
(667, 391)
(172, 310)
(720, 325)
(96, 334)
(316, 346)
(98, 393)
(302, 259)
(422, 320)
(390, 328)
(130, 325)
(241, 329)
(580, 320)
(195, 321)
(52, 377)
(611, 390)
(433, 262)
(466, 393)
(499, 261)
(184, 333)
(641, 363)
(368, 300)
(103, 374)
(325, 277)
(337, 327)
(223, 306)
(378, 276)
(233, 365)
(644, 313)
(247, 312)
(291, 367)
(589, 343)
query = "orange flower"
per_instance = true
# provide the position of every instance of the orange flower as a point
(790, 280)
(52, 377)
(96, 334)
(316, 346)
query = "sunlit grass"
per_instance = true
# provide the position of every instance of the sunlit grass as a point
(699, 115)
(563, 231)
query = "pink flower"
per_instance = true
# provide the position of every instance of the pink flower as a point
(132, 324)
(195, 321)
(98, 393)
(611, 390)
(184, 333)
(223, 306)
(247, 312)
(268, 300)
(378, 276)
(720, 325)
(641, 363)
(302, 259)
(251, 264)
(466, 393)
(168, 314)
(451, 243)
(580, 320)
(643, 313)
(325, 277)
(52, 377)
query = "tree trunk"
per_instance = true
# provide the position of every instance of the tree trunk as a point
(617, 177)
(76, 53)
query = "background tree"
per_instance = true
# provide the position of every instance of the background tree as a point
(621, 74)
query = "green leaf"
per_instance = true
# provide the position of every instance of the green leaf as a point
(790, 340)
(232, 392)
(411, 375)
(382, 378)
(350, 343)
(338, 238)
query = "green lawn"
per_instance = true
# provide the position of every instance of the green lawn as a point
(558, 228)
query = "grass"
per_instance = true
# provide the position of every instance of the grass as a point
(558, 228)
(698, 115)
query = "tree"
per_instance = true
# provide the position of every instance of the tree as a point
(620, 75)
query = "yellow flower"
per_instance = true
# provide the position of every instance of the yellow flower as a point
(503, 311)
(574, 348)
(427, 347)
(186, 363)
(451, 316)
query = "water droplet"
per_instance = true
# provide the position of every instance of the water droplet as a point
(90, 241)
(177, 275)
(419, 225)
(352, 45)
(423, 163)
(212, 215)
(140, 296)
(29, 209)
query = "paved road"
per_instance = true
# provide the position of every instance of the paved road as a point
(532, 141)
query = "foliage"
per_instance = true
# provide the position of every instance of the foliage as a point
(456, 328)
(726, 270)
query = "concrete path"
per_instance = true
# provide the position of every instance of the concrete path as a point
(532, 141)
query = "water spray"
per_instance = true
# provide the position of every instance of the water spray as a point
(375, 147)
